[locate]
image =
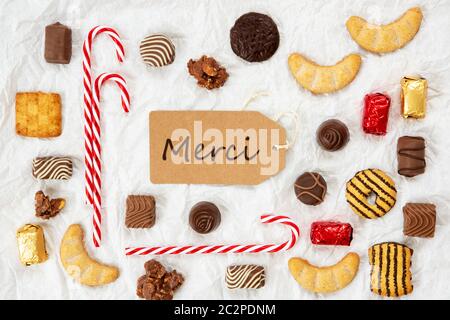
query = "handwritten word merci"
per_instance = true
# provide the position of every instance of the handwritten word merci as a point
(235, 146)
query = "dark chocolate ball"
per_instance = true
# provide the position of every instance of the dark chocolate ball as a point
(332, 135)
(310, 188)
(204, 217)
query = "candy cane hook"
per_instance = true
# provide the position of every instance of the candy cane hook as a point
(96, 147)
(222, 249)
(87, 97)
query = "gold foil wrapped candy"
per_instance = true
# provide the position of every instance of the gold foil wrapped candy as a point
(31, 243)
(414, 96)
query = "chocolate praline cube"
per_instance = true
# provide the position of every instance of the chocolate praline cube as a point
(141, 211)
(419, 220)
(58, 43)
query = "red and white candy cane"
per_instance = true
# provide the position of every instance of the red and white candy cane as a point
(221, 249)
(96, 147)
(87, 97)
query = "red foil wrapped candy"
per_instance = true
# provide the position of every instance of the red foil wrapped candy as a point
(376, 113)
(331, 233)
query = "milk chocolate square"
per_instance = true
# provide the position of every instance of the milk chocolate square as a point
(58, 43)
(141, 211)
(419, 220)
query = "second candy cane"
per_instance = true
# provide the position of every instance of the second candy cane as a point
(96, 145)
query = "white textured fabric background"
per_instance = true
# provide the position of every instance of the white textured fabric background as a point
(315, 28)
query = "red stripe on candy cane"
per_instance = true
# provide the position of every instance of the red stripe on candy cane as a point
(223, 249)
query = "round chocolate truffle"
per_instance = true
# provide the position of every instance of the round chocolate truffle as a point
(254, 37)
(310, 188)
(157, 50)
(204, 217)
(332, 135)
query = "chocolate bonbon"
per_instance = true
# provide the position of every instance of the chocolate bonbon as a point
(254, 37)
(413, 97)
(157, 50)
(58, 43)
(47, 208)
(376, 113)
(59, 168)
(365, 183)
(411, 156)
(38, 114)
(31, 244)
(331, 233)
(204, 217)
(140, 212)
(157, 283)
(310, 188)
(245, 276)
(419, 220)
(208, 72)
(332, 135)
(390, 275)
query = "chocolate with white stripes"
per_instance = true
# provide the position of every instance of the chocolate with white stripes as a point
(246, 276)
(55, 168)
(157, 50)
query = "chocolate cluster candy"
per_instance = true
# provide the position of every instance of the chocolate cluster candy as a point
(411, 156)
(157, 283)
(376, 113)
(141, 211)
(247, 276)
(332, 135)
(31, 244)
(414, 97)
(419, 220)
(204, 217)
(47, 208)
(310, 188)
(331, 233)
(254, 37)
(58, 43)
(208, 72)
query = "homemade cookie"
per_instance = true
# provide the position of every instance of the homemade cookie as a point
(385, 38)
(390, 275)
(325, 279)
(363, 184)
(324, 79)
(38, 114)
(79, 265)
(254, 37)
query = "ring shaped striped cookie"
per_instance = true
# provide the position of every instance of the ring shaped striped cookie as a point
(365, 183)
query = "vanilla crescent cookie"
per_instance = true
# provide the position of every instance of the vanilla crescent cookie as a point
(385, 38)
(325, 279)
(362, 185)
(79, 265)
(324, 79)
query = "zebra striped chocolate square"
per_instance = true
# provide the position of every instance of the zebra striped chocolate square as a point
(52, 168)
(245, 276)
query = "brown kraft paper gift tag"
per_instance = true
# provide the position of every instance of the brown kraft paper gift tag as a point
(214, 147)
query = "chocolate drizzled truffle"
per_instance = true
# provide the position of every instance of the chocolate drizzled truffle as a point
(411, 156)
(254, 37)
(204, 217)
(332, 135)
(310, 188)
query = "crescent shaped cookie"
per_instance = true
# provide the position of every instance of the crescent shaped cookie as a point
(79, 265)
(325, 279)
(324, 79)
(385, 38)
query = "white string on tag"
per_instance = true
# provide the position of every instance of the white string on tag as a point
(291, 114)
(294, 116)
